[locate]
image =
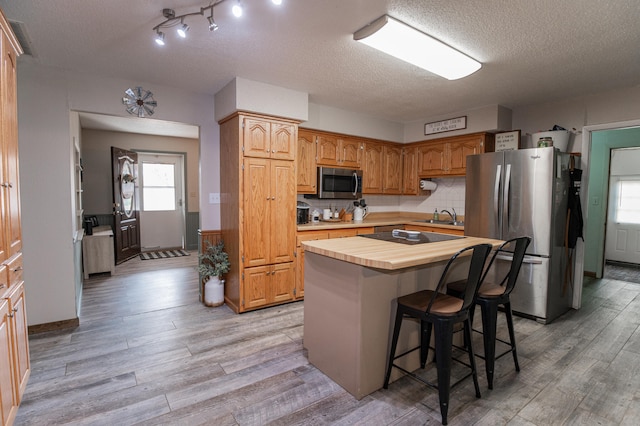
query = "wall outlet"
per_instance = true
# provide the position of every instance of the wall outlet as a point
(214, 198)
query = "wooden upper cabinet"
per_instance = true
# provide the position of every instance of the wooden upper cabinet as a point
(392, 169)
(351, 153)
(327, 150)
(431, 159)
(306, 169)
(11, 241)
(372, 174)
(283, 141)
(448, 156)
(410, 181)
(338, 151)
(458, 152)
(269, 139)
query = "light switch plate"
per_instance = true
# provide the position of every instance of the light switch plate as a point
(214, 198)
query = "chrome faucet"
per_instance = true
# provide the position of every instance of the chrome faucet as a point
(454, 216)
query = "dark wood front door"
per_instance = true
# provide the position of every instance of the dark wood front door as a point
(126, 212)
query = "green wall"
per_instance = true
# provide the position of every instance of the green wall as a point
(602, 142)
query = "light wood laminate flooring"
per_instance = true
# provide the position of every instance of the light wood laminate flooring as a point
(148, 352)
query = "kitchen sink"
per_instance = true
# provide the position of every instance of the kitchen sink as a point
(445, 222)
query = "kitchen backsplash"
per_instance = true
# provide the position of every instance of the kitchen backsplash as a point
(449, 193)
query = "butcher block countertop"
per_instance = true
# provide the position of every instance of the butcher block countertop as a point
(390, 255)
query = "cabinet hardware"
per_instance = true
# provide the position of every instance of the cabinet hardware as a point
(3, 285)
(10, 315)
(15, 310)
(19, 268)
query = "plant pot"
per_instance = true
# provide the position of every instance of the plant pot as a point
(214, 292)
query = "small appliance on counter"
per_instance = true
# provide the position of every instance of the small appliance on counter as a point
(302, 215)
(359, 210)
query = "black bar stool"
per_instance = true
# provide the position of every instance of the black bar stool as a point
(439, 311)
(491, 296)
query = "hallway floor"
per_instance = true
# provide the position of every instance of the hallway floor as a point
(147, 352)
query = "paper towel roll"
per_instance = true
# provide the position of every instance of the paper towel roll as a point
(428, 185)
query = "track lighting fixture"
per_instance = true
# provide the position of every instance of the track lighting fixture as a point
(171, 20)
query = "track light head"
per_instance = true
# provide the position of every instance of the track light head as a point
(212, 24)
(160, 38)
(237, 9)
(182, 30)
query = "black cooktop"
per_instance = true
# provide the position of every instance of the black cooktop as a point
(410, 237)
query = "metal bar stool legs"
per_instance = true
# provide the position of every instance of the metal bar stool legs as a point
(490, 297)
(437, 314)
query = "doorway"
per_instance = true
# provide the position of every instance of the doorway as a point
(162, 201)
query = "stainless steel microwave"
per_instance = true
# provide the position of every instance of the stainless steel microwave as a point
(339, 183)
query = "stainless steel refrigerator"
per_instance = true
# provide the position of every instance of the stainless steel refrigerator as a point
(524, 192)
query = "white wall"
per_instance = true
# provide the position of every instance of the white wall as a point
(607, 107)
(352, 123)
(45, 98)
(489, 118)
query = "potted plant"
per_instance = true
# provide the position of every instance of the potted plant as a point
(214, 263)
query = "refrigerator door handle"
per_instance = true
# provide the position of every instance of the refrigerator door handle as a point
(507, 196)
(496, 196)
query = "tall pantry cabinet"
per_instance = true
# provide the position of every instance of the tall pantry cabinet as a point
(14, 344)
(258, 209)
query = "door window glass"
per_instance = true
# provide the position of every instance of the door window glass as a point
(627, 203)
(158, 191)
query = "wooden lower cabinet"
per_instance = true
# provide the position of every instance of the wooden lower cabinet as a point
(319, 235)
(14, 350)
(9, 406)
(267, 285)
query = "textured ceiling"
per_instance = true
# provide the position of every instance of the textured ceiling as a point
(532, 51)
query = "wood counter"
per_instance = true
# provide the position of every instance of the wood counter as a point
(388, 255)
(351, 285)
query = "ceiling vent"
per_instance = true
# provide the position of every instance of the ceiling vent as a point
(20, 30)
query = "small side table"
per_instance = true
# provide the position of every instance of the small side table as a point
(97, 251)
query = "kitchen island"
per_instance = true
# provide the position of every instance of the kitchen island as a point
(351, 285)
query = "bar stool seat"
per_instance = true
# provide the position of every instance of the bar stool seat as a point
(440, 312)
(490, 297)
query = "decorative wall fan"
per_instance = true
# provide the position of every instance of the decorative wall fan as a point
(139, 101)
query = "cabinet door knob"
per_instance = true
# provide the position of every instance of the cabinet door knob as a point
(19, 268)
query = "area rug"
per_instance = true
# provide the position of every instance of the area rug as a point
(163, 254)
(622, 272)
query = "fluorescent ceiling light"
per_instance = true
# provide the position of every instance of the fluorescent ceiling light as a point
(397, 39)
